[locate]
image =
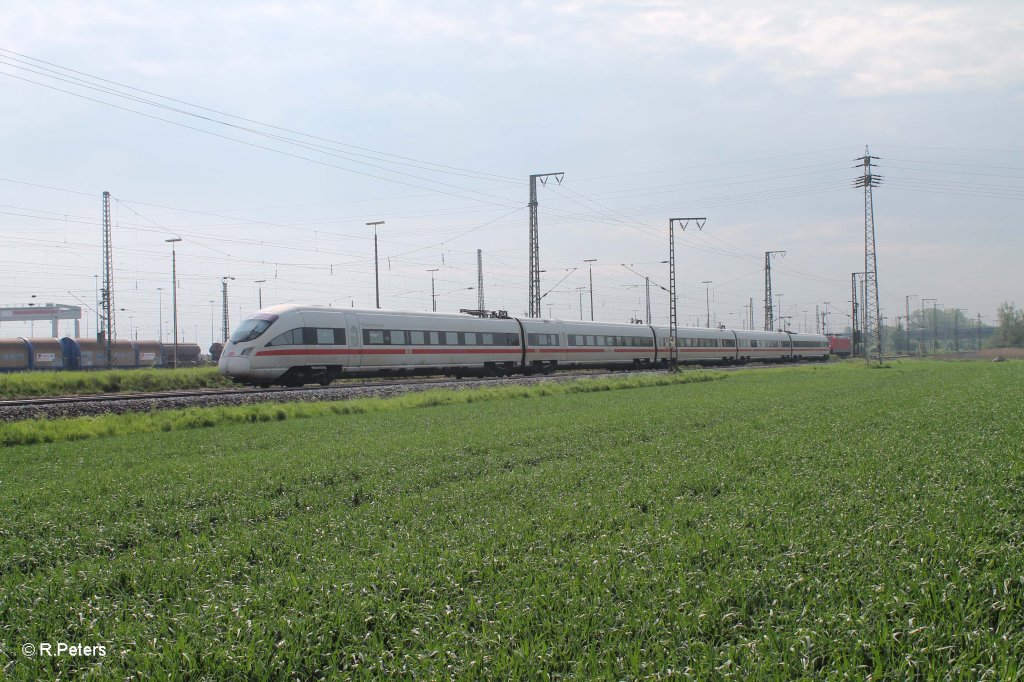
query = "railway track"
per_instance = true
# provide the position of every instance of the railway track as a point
(60, 407)
(252, 390)
(88, 405)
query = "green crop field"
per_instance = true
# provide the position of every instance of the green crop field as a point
(814, 522)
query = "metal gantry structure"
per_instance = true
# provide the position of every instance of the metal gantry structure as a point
(534, 307)
(769, 313)
(673, 314)
(872, 330)
(107, 301)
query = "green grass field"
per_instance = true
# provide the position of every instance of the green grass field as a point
(816, 522)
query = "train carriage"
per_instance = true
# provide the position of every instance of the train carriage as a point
(417, 342)
(148, 353)
(699, 345)
(809, 346)
(14, 355)
(45, 353)
(601, 344)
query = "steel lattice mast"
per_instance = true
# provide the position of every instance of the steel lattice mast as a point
(480, 280)
(769, 311)
(872, 313)
(225, 322)
(673, 313)
(109, 329)
(856, 333)
(534, 308)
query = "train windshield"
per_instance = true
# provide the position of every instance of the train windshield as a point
(252, 327)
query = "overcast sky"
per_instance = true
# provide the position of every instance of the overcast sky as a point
(266, 134)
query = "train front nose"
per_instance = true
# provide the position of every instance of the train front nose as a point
(234, 366)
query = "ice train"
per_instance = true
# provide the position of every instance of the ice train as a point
(292, 345)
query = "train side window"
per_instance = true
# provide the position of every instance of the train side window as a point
(397, 338)
(285, 339)
(470, 338)
(435, 339)
(339, 337)
(753, 343)
(451, 338)
(308, 336)
(374, 337)
(325, 337)
(416, 338)
(487, 339)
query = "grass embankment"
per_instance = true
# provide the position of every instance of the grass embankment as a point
(822, 522)
(79, 428)
(35, 384)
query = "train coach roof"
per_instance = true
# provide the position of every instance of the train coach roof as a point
(13, 344)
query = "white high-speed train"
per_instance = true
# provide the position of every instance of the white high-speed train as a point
(293, 345)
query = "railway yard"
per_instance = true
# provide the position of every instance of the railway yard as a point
(770, 523)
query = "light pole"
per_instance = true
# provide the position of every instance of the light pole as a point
(707, 300)
(923, 301)
(376, 271)
(581, 290)
(174, 295)
(591, 261)
(96, 282)
(647, 287)
(160, 291)
(433, 296)
(260, 282)
(213, 322)
(909, 323)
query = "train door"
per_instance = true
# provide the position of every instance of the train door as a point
(354, 337)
